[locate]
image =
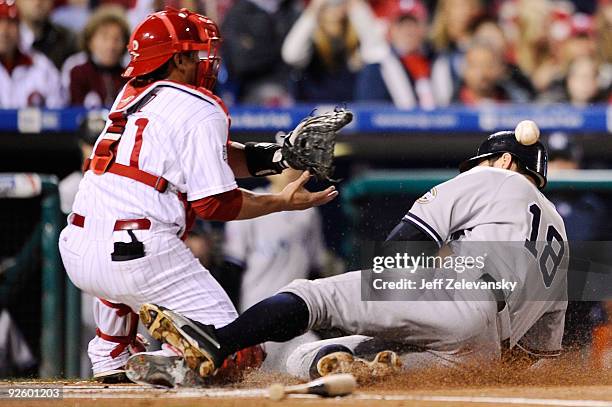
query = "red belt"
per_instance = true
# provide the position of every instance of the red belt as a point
(131, 224)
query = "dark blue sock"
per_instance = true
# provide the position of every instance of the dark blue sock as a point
(278, 318)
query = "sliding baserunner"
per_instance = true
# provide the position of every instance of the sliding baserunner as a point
(496, 198)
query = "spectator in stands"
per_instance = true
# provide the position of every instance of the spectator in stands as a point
(534, 51)
(551, 35)
(72, 14)
(482, 77)
(25, 79)
(322, 47)
(580, 87)
(93, 77)
(40, 34)
(571, 37)
(603, 30)
(487, 30)
(402, 74)
(450, 35)
(253, 33)
(580, 40)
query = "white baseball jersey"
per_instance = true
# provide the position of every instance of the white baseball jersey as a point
(35, 82)
(274, 250)
(180, 134)
(488, 204)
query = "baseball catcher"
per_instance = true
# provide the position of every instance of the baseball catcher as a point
(163, 158)
(496, 198)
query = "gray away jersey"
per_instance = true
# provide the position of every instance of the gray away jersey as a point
(488, 205)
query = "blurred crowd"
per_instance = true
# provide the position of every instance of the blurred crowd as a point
(410, 53)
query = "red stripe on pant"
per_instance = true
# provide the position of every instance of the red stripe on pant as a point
(122, 341)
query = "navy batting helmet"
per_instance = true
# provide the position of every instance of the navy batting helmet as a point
(532, 158)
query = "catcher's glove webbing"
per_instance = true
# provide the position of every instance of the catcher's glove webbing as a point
(310, 146)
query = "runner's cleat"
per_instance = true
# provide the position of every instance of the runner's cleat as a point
(384, 364)
(196, 341)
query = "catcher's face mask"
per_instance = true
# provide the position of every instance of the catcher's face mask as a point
(208, 67)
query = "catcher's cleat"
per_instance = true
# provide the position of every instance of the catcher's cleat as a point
(114, 376)
(159, 370)
(384, 364)
(196, 341)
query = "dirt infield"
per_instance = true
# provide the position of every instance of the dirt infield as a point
(565, 384)
(131, 396)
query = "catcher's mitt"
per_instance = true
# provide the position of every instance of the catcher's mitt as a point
(310, 146)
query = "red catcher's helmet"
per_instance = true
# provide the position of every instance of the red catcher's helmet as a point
(165, 33)
(8, 9)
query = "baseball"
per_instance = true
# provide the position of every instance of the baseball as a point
(527, 132)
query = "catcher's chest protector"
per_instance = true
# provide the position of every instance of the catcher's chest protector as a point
(132, 99)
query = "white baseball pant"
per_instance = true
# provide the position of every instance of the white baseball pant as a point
(168, 275)
(458, 332)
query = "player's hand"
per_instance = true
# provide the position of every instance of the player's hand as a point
(296, 197)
